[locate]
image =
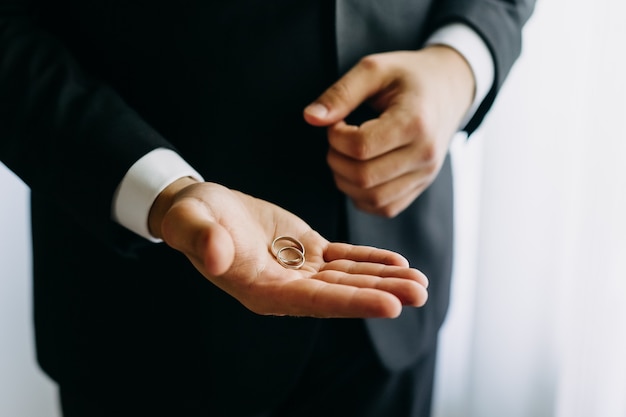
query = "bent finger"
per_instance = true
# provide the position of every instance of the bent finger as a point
(361, 82)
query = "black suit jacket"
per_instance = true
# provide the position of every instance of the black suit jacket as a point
(88, 87)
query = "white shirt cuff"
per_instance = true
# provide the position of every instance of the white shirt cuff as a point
(467, 42)
(141, 185)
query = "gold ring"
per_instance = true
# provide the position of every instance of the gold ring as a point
(294, 246)
(293, 263)
(293, 240)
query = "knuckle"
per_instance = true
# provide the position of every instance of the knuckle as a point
(363, 207)
(371, 63)
(360, 150)
(417, 125)
(418, 128)
(364, 178)
(385, 212)
(376, 203)
(373, 201)
(389, 212)
(430, 171)
(379, 211)
(393, 209)
(428, 154)
(429, 162)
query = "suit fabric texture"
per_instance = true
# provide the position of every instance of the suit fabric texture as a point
(94, 85)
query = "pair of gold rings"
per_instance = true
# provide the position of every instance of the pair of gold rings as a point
(289, 251)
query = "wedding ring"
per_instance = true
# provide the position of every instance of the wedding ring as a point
(296, 242)
(285, 253)
(289, 262)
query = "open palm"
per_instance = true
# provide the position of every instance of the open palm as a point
(227, 236)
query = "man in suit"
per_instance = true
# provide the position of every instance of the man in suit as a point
(165, 141)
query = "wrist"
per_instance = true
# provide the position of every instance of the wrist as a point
(459, 75)
(164, 201)
(474, 50)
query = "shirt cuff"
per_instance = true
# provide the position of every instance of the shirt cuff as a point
(141, 185)
(471, 46)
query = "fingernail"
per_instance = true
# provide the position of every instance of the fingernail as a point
(316, 110)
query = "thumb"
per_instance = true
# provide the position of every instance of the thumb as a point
(219, 252)
(206, 243)
(344, 96)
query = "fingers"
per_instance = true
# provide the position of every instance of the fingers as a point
(359, 253)
(385, 163)
(351, 281)
(316, 298)
(343, 289)
(369, 267)
(188, 228)
(410, 291)
(377, 270)
(388, 208)
(338, 280)
(387, 199)
(399, 125)
(360, 83)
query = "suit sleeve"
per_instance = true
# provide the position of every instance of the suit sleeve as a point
(499, 23)
(67, 135)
